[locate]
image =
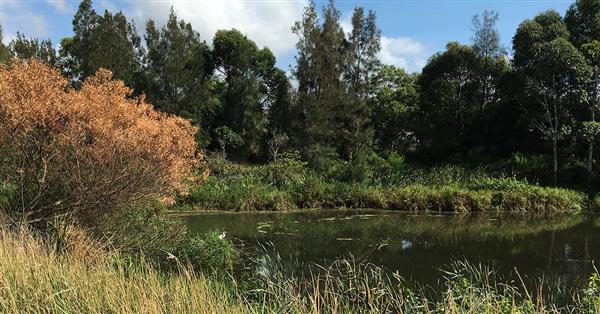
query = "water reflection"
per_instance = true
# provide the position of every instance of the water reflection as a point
(558, 247)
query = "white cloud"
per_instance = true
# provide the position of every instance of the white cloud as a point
(268, 23)
(403, 52)
(60, 5)
(22, 16)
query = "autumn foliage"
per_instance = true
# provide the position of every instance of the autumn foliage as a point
(84, 152)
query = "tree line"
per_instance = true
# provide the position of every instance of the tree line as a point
(474, 101)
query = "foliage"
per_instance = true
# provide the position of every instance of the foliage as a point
(24, 48)
(85, 53)
(5, 53)
(590, 130)
(209, 252)
(85, 152)
(374, 183)
(591, 295)
(177, 76)
(226, 137)
(532, 166)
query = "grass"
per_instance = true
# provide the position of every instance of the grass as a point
(34, 278)
(289, 185)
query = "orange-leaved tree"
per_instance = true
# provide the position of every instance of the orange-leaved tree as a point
(83, 153)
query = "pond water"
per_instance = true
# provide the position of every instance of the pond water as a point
(562, 248)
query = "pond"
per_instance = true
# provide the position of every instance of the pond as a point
(561, 248)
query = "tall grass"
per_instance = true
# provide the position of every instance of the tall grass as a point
(34, 278)
(289, 184)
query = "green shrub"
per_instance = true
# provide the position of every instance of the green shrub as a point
(148, 230)
(591, 295)
(211, 251)
(529, 166)
(7, 191)
(596, 201)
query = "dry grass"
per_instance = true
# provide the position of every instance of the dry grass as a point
(35, 279)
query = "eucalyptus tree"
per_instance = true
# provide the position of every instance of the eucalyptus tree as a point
(555, 73)
(25, 48)
(583, 22)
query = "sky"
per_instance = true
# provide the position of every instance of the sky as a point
(412, 30)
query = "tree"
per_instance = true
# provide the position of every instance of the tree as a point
(590, 97)
(248, 75)
(555, 73)
(226, 137)
(102, 41)
(67, 153)
(554, 87)
(583, 21)
(364, 42)
(179, 74)
(486, 45)
(4, 51)
(282, 114)
(450, 96)
(395, 107)
(277, 140)
(24, 48)
(322, 93)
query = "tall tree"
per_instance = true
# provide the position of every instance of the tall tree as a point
(247, 72)
(554, 72)
(364, 42)
(102, 41)
(449, 100)
(25, 48)
(583, 22)
(321, 91)
(179, 74)
(486, 45)
(4, 51)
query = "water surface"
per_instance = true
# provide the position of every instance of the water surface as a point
(559, 247)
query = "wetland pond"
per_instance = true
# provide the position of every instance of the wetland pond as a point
(561, 248)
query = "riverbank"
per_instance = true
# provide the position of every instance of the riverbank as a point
(36, 279)
(386, 184)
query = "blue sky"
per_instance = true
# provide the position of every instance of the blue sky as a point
(412, 30)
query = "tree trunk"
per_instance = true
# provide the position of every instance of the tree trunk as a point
(590, 160)
(555, 160)
(591, 154)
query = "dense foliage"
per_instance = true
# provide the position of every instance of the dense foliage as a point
(472, 103)
(371, 182)
(84, 152)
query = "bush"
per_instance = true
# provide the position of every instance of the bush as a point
(146, 229)
(85, 152)
(591, 295)
(210, 251)
(530, 166)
